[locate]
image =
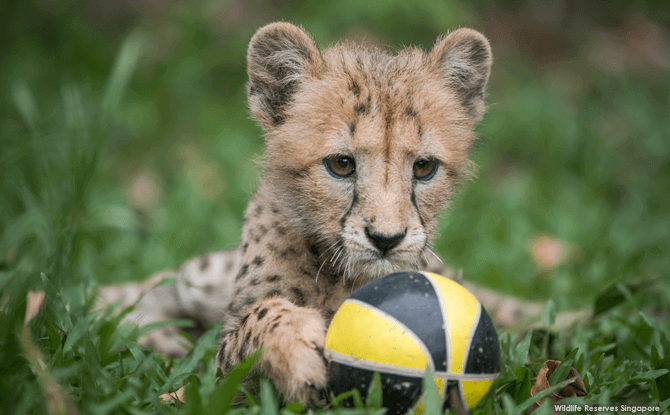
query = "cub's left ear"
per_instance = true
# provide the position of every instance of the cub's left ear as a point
(464, 59)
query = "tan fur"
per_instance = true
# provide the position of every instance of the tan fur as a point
(311, 238)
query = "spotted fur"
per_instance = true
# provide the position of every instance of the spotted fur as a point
(311, 237)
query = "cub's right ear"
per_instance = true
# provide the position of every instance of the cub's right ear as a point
(280, 56)
(464, 59)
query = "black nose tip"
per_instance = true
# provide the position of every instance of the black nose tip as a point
(384, 243)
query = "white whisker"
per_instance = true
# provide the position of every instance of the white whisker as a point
(339, 252)
(431, 251)
(317, 273)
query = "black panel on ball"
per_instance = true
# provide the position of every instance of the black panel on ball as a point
(399, 393)
(411, 299)
(484, 353)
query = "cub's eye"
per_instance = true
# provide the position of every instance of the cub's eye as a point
(425, 169)
(340, 167)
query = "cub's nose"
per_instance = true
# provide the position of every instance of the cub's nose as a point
(384, 243)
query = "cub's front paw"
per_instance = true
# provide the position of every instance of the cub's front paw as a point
(293, 357)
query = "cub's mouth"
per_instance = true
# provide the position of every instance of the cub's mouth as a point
(368, 264)
(375, 254)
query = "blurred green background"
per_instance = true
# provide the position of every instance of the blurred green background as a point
(126, 148)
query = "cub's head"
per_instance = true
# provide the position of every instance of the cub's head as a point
(364, 147)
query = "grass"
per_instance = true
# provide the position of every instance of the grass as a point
(126, 150)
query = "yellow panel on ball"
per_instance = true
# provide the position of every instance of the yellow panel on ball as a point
(462, 309)
(381, 339)
(474, 390)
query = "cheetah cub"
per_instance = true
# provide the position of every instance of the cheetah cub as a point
(364, 150)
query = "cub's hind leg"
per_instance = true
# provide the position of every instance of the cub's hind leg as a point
(200, 292)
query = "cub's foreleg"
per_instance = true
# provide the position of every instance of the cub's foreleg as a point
(292, 338)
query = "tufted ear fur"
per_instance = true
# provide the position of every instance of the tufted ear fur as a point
(280, 56)
(464, 58)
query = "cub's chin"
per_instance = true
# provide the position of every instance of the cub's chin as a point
(373, 266)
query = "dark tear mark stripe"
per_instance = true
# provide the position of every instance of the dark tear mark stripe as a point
(351, 208)
(388, 125)
(353, 87)
(418, 212)
(363, 108)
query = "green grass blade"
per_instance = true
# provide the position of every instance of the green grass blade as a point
(268, 401)
(126, 61)
(432, 404)
(221, 400)
(26, 105)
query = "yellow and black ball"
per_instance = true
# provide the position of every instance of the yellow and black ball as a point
(401, 324)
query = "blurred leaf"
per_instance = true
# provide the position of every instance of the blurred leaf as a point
(192, 359)
(652, 323)
(268, 403)
(523, 384)
(76, 116)
(165, 281)
(221, 399)
(26, 104)
(192, 396)
(294, 407)
(509, 405)
(561, 372)
(92, 358)
(619, 383)
(79, 331)
(520, 354)
(649, 375)
(113, 404)
(432, 404)
(145, 362)
(617, 293)
(549, 313)
(353, 394)
(664, 405)
(54, 306)
(374, 398)
(106, 333)
(659, 363)
(179, 322)
(124, 67)
(54, 336)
